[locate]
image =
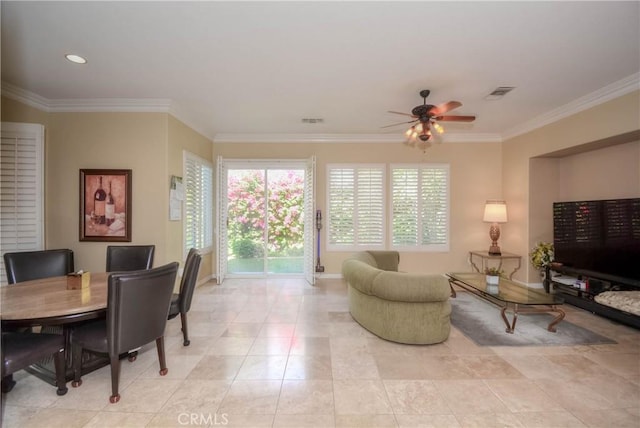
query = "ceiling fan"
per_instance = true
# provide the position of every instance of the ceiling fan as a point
(426, 117)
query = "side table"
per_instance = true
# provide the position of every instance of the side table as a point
(486, 258)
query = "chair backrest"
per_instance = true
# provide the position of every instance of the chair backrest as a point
(189, 279)
(138, 306)
(28, 265)
(125, 258)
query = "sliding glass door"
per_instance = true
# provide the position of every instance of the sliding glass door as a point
(266, 224)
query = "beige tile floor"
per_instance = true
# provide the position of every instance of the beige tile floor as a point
(280, 353)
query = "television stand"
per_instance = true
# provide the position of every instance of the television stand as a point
(579, 287)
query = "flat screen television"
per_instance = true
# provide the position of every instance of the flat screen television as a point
(599, 236)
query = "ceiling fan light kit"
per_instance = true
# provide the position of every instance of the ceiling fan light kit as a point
(425, 117)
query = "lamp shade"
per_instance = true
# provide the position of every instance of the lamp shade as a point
(495, 211)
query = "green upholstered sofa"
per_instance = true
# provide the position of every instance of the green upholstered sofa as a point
(400, 307)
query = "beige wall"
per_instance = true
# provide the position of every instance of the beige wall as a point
(475, 176)
(181, 138)
(543, 175)
(609, 173)
(151, 145)
(14, 111)
(530, 185)
(135, 141)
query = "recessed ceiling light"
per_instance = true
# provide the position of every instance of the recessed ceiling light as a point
(75, 58)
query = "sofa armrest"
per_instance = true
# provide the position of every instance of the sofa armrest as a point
(359, 274)
(411, 287)
(386, 260)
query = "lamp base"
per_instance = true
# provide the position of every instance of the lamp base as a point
(494, 234)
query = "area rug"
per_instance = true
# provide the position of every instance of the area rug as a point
(481, 322)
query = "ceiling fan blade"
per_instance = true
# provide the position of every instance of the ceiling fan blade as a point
(399, 112)
(399, 123)
(455, 118)
(443, 108)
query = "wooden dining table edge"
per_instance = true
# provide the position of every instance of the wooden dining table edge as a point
(67, 304)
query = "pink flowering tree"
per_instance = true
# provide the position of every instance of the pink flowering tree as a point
(285, 200)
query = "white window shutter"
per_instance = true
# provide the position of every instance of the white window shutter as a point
(434, 215)
(310, 254)
(21, 189)
(198, 203)
(370, 207)
(420, 204)
(355, 204)
(404, 190)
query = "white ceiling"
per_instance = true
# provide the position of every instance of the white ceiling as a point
(229, 69)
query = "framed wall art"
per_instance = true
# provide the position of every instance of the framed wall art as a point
(105, 205)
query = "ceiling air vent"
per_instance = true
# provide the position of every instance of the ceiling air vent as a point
(312, 120)
(499, 92)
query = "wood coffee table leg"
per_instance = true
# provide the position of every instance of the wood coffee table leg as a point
(510, 326)
(556, 320)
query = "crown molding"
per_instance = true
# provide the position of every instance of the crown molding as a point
(346, 138)
(146, 105)
(29, 98)
(163, 105)
(472, 138)
(307, 138)
(614, 90)
(178, 113)
(127, 105)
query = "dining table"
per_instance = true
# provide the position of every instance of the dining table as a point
(53, 304)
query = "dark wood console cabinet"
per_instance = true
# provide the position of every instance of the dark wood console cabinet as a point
(598, 283)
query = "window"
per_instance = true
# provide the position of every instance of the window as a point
(420, 207)
(198, 203)
(22, 182)
(355, 203)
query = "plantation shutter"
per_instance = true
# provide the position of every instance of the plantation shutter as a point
(21, 189)
(341, 207)
(355, 207)
(404, 188)
(221, 220)
(198, 203)
(309, 221)
(420, 204)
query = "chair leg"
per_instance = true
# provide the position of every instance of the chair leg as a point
(76, 355)
(185, 329)
(163, 362)
(115, 378)
(60, 365)
(8, 383)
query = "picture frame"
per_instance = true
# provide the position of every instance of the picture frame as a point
(105, 205)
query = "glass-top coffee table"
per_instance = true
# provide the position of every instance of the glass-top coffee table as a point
(510, 296)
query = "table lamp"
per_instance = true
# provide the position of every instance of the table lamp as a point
(495, 211)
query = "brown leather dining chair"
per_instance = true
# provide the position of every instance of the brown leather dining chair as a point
(125, 258)
(137, 310)
(21, 349)
(181, 302)
(28, 265)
